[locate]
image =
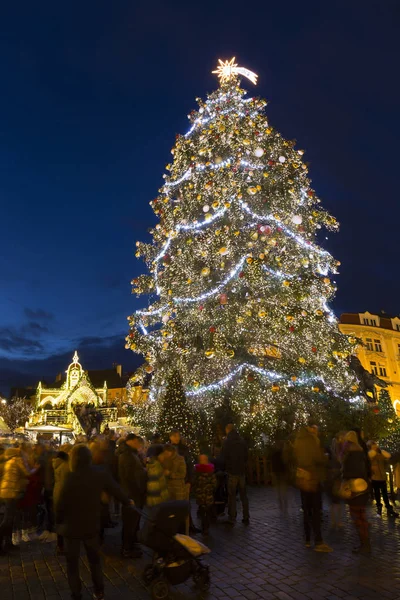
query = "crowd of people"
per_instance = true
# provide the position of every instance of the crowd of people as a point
(71, 494)
(350, 472)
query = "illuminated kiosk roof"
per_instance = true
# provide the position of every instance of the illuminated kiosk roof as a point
(77, 388)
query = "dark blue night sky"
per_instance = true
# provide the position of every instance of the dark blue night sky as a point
(92, 95)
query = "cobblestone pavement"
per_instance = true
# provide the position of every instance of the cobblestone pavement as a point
(266, 559)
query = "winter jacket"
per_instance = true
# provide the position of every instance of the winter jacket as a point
(378, 464)
(354, 466)
(176, 479)
(131, 474)
(78, 506)
(234, 454)
(15, 475)
(61, 470)
(157, 489)
(183, 450)
(205, 483)
(309, 454)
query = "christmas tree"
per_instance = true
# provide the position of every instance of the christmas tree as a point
(175, 412)
(238, 287)
(388, 423)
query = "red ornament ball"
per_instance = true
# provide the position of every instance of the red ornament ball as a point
(250, 377)
(314, 349)
(291, 328)
(213, 329)
(376, 410)
(201, 307)
(241, 274)
(271, 163)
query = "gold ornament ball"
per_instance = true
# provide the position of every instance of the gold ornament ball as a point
(210, 353)
(301, 360)
(275, 388)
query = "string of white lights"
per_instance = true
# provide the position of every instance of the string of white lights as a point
(216, 289)
(224, 163)
(204, 120)
(301, 241)
(272, 375)
(150, 313)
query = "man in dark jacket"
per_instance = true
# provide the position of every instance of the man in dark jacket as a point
(234, 455)
(78, 515)
(132, 477)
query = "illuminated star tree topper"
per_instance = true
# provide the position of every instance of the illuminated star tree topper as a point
(228, 68)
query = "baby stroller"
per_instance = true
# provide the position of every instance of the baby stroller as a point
(176, 557)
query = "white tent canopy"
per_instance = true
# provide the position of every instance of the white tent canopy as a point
(48, 429)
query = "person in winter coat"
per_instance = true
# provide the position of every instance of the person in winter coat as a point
(132, 477)
(156, 488)
(281, 474)
(47, 472)
(176, 440)
(234, 454)
(12, 487)
(310, 463)
(78, 516)
(354, 466)
(333, 479)
(61, 470)
(204, 485)
(175, 471)
(379, 459)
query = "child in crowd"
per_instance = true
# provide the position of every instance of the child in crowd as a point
(204, 486)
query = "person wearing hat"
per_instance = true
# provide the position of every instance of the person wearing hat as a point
(132, 477)
(354, 470)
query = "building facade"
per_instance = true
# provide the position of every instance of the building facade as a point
(380, 352)
(58, 404)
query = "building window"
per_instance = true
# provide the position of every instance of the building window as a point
(374, 368)
(371, 322)
(398, 348)
(398, 326)
(370, 346)
(378, 345)
(382, 371)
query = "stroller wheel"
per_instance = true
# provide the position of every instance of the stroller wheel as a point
(148, 574)
(160, 590)
(202, 578)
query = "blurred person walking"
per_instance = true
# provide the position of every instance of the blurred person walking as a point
(132, 477)
(310, 470)
(234, 454)
(281, 474)
(61, 470)
(355, 473)
(175, 471)
(78, 516)
(204, 486)
(379, 459)
(12, 488)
